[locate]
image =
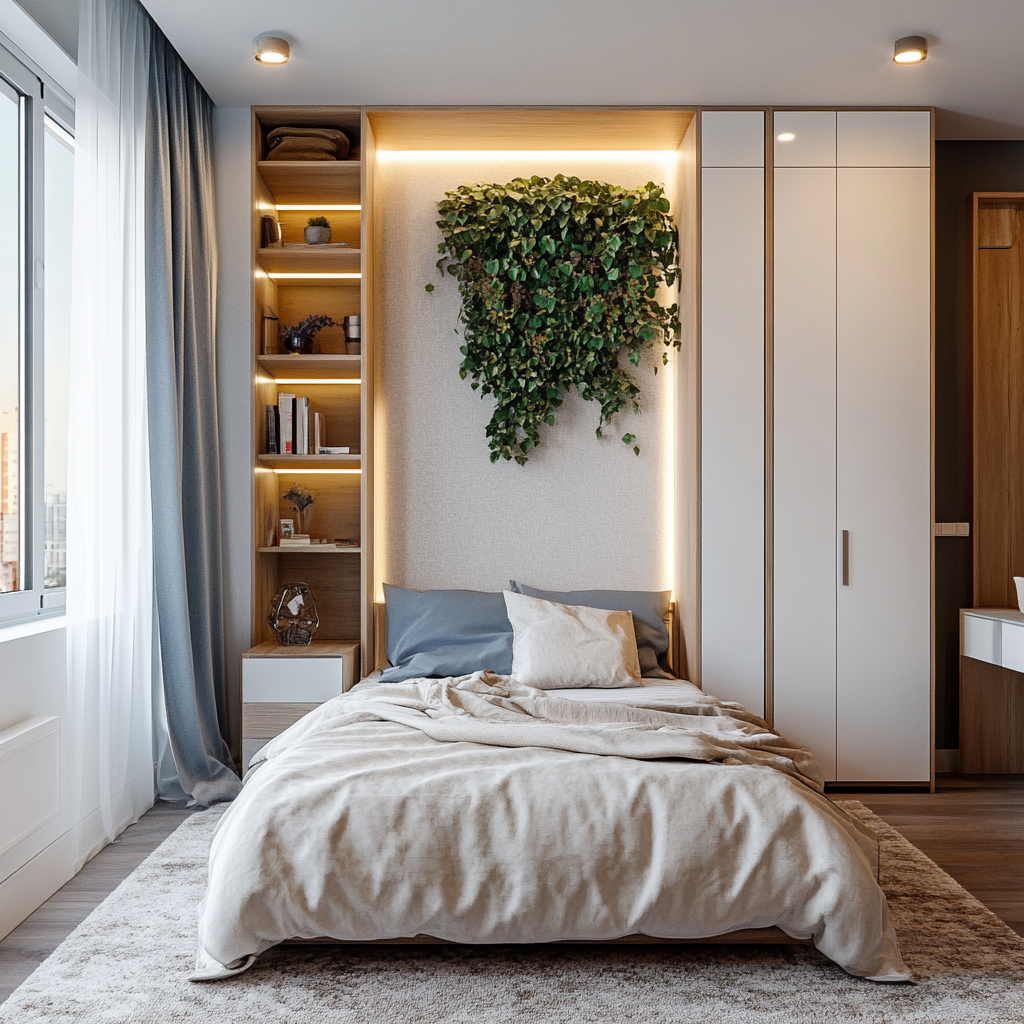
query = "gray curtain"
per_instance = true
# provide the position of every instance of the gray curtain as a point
(183, 438)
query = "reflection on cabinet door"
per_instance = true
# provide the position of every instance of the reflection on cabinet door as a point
(883, 472)
(805, 458)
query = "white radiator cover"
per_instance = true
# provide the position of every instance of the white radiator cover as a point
(29, 778)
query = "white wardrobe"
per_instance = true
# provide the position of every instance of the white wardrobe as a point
(845, 418)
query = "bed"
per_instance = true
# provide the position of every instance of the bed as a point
(487, 807)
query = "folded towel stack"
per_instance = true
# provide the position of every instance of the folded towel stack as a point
(307, 144)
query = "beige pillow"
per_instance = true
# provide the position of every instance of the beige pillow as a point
(557, 646)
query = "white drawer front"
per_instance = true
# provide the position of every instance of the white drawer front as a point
(982, 639)
(1013, 646)
(290, 680)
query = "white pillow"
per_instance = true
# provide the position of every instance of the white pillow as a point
(557, 646)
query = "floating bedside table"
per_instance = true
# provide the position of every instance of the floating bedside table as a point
(281, 684)
(991, 691)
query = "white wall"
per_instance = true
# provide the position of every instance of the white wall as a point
(233, 185)
(582, 512)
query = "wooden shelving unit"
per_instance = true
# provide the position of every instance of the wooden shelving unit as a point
(330, 366)
(333, 380)
(316, 259)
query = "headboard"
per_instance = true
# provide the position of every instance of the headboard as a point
(380, 636)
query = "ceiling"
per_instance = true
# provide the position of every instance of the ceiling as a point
(569, 52)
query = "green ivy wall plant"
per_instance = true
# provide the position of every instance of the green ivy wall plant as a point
(557, 277)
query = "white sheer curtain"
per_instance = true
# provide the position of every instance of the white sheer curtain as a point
(110, 603)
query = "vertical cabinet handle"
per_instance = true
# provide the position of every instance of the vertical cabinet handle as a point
(846, 558)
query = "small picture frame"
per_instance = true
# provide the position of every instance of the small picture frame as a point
(286, 529)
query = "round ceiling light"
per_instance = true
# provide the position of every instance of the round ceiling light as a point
(910, 50)
(272, 50)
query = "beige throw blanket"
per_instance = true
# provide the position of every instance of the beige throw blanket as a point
(477, 810)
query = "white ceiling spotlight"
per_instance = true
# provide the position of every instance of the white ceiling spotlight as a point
(910, 50)
(272, 50)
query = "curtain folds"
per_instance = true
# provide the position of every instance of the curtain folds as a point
(110, 613)
(180, 271)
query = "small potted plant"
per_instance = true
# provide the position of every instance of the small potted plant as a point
(299, 340)
(318, 231)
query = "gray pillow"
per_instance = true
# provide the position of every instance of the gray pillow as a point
(649, 608)
(445, 633)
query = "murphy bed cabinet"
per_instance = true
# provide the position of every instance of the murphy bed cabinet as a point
(803, 454)
(816, 430)
(295, 281)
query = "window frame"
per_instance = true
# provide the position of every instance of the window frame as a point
(38, 98)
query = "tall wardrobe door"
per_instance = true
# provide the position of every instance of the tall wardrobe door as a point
(883, 478)
(805, 459)
(732, 434)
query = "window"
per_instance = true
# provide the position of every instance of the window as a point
(36, 198)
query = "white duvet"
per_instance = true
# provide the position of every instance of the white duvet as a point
(477, 810)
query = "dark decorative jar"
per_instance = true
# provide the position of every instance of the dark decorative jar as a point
(297, 342)
(293, 615)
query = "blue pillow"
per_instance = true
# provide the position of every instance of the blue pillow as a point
(445, 633)
(649, 608)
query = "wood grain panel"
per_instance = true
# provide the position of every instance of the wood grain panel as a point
(335, 585)
(686, 203)
(312, 181)
(991, 719)
(529, 128)
(338, 299)
(345, 224)
(266, 720)
(997, 296)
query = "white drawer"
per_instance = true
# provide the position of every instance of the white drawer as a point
(982, 639)
(291, 680)
(1013, 646)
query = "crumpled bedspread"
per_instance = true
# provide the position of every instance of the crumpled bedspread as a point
(477, 810)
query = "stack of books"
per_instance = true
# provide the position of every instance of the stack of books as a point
(291, 431)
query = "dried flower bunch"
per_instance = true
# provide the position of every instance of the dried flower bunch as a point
(298, 497)
(313, 323)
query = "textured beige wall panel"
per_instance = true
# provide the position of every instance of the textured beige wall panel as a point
(582, 512)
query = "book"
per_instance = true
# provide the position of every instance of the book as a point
(286, 412)
(272, 419)
(300, 540)
(335, 450)
(301, 425)
(319, 433)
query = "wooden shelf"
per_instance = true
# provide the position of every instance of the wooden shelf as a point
(311, 549)
(328, 367)
(333, 182)
(313, 259)
(300, 462)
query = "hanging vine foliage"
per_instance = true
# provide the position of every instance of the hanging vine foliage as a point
(558, 276)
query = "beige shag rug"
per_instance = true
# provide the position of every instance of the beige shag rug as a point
(128, 961)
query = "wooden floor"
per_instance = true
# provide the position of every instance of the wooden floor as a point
(972, 828)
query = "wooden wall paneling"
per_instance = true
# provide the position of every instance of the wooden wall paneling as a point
(369, 311)
(884, 478)
(687, 408)
(804, 458)
(345, 224)
(530, 128)
(732, 424)
(998, 397)
(991, 719)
